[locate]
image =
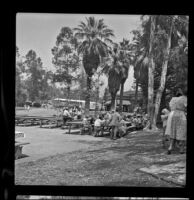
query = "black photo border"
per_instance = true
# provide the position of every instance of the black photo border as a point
(8, 46)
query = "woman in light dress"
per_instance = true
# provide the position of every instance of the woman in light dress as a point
(177, 123)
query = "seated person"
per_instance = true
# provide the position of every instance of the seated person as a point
(79, 114)
(139, 122)
(75, 117)
(134, 121)
(122, 128)
(128, 118)
(86, 125)
(97, 126)
(107, 118)
(85, 120)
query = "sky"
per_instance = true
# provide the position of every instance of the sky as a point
(38, 31)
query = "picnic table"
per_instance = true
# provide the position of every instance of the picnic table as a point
(79, 124)
(19, 145)
(37, 120)
(49, 119)
(104, 127)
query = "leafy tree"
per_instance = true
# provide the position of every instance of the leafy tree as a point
(163, 56)
(65, 58)
(95, 36)
(45, 92)
(20, 93)
(34, 70)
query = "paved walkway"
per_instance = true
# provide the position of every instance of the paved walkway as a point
(47, 142)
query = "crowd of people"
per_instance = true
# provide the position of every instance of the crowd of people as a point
(174, 122)
(117, 124)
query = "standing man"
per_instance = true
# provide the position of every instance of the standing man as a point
(66, 116)
(115, 123)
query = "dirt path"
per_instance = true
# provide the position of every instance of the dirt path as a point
(47, 142)
(98, 161)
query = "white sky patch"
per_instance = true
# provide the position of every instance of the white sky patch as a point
(38, 31)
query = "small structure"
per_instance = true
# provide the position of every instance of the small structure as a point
(128, 100)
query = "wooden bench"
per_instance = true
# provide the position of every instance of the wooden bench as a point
(75, 123)
(85, 128)
(18, 148)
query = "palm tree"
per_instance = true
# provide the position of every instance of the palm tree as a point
(140, 63)
(139, 49)
(125, 59)
(95, 36)
(113, 67)
(145, 58)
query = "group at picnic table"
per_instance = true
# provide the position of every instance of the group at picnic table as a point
(174, 118)
(119, 124)
(111, 121)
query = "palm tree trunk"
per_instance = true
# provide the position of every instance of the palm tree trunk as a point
(136, 91)
(151, 69)
(163, 79)
(96, 103)
(68, 94)
(87, 97)
(113, 97)
(121, 97)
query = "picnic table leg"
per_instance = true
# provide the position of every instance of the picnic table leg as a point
(40, 123)
(102, 131)
(81, 129)
(69, 128)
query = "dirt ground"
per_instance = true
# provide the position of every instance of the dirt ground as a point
(62, 159)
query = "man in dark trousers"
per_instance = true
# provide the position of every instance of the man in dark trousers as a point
(66, 115)
(114, 123)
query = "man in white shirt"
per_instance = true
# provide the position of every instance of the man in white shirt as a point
(66, 116)
(97, 126)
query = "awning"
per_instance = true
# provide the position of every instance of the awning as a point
(107, 103)
(125, 103)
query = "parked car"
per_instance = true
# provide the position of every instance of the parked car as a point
(36, 104)
(28, 103)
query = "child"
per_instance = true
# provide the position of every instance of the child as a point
(164, 118)
(86, 125)
(122, 128)
(97, 126)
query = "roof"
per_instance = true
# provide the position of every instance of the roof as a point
(127, 94)
(125, 102)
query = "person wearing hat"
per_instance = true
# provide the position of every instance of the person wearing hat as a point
(164, 117)
(114, 123)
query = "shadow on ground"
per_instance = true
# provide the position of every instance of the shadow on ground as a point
(105, 162)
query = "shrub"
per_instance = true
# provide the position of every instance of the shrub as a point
(36, 104)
